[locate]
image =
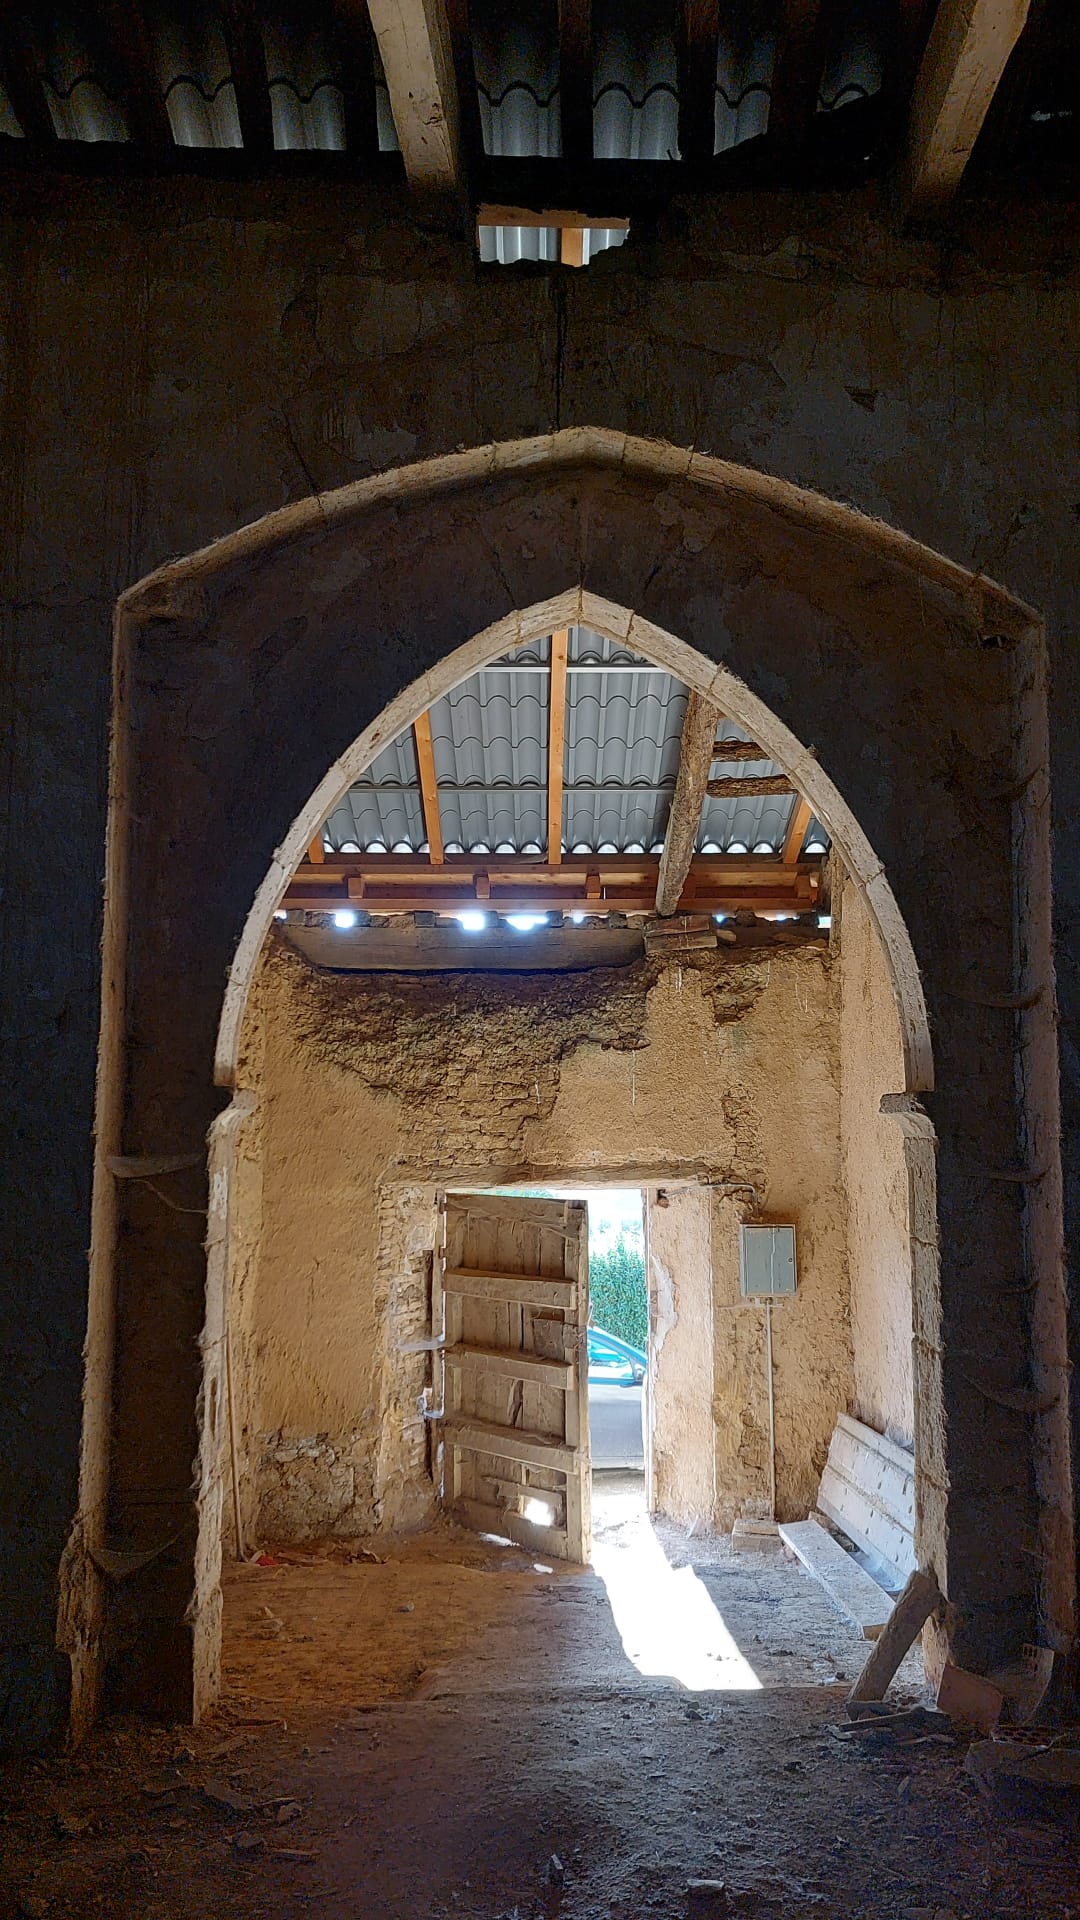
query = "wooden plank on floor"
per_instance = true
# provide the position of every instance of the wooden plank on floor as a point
(530, 1289)
(858, 1597)
(512, 1366)
(509, 1443)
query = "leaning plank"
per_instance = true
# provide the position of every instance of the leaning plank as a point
(509, 1443)
(912, 1610)
(852, 1590)
(512, 1366)
(529, 1289)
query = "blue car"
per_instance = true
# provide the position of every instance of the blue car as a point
(616, 1402)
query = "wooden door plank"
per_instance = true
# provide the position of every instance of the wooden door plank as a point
(512, 1366)
(510, 1443)
(533, 1290)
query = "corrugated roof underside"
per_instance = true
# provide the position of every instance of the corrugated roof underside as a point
(624, 720)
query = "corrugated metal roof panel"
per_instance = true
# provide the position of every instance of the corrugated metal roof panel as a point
(624, 719)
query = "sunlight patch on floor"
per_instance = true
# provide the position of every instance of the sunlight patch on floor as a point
(667, 1620)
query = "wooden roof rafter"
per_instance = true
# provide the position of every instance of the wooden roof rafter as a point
(415, 44)
(970, 44)
(429, 790)
(696, 754)
(556, 757)
(247, 61)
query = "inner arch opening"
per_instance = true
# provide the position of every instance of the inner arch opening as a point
(454, 998)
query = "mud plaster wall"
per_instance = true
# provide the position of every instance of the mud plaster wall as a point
(370, 1091)
(875, 1178)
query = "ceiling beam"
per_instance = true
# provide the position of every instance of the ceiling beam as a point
(801, 816)
(699, 41)
(127, 36)
(247, 63)
(20, 71)
(800, 60)
(575, 80)
(469, 122)
(560, 642)
(731, 750)
(354, 53)
(590, 883)
(572, 246)
(695, 760)
(746, 786)
(966, 55)
(429, 791)
(415, 45)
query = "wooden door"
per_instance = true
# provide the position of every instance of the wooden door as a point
(512, 1307)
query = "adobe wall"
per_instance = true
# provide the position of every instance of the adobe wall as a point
(369, 1087)
(178, 357)
(874, 1176)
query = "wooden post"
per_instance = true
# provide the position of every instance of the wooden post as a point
(695, 760)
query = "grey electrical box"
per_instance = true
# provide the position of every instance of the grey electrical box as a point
(766, 1262)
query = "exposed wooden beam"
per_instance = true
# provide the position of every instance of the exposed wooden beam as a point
(429, 792)
(20, 70)
(589, 883)
(355, 57)
(469, 121)
(575, 79)
(316, 852)
(247, 62)
(695, 760)
(127, 35)
(739, 750)
(800, 59)
(572, 246)
(414, 42)
(698, 48)
(742, 786)
(801, 816)
(967, 52)
(560, 642)
(493, 215)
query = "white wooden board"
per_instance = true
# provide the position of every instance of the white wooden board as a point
(857, 1596)
(868, 1491)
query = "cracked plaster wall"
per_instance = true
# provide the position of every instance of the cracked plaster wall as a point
(721, 1067)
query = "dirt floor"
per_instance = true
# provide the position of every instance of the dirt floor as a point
(458, 1729)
